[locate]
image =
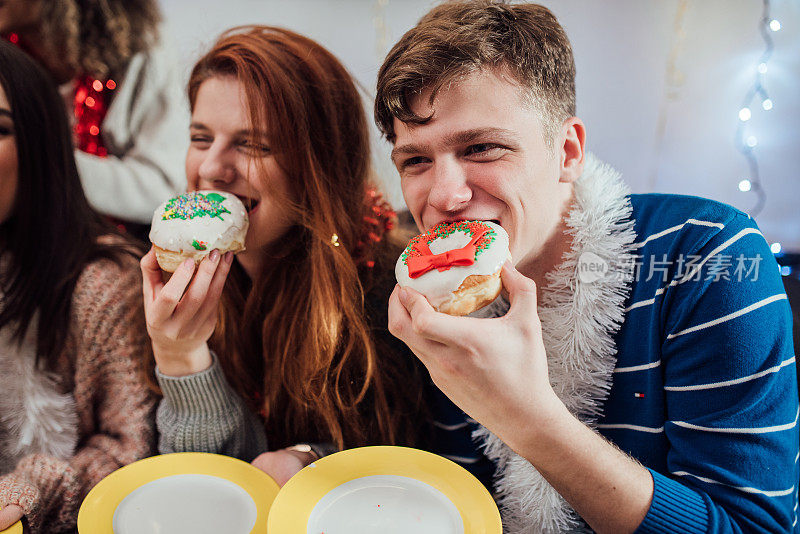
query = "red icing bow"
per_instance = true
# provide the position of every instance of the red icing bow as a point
(427, 261)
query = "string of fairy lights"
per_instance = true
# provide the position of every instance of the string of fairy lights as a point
(755, 98)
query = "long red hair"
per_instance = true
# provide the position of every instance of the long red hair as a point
(296, 341)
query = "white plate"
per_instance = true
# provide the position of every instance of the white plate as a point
(384, 490)
(385, 504)
(191, 504)
(182, 492)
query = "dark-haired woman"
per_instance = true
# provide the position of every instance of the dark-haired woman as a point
(285, 347)
(74, 404)
(123, 90)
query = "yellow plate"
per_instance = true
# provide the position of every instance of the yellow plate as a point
(97, 511)
(16, 528)
(293, 506)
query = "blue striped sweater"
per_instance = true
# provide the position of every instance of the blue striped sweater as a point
(704, 393)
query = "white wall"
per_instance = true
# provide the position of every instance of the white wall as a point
(621, 50)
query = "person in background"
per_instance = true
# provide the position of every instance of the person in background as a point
(640, 376)
(75, 403)
(123, 91)
(284, 347)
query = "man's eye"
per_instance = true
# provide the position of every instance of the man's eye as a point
(200, 139)
(481, 148)
(410, 162)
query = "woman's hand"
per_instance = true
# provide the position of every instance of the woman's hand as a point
(10, 515)
(283, 464)
(181, 314)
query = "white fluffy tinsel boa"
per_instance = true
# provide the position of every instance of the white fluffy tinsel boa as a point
(34, 416)
(579, 318)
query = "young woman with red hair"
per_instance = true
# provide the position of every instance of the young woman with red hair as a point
(286, 343)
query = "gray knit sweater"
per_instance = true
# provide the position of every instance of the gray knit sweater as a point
(202, 413)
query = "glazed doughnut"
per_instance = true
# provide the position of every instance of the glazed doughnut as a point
(456, 265)
(193, 224)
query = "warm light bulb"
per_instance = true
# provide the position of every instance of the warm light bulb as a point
(766, 104)
(762, 68)
(744, 114)
(775, 248)
(752, 141)
(745, 186)
(774, 25)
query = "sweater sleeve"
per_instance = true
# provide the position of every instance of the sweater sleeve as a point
(113, 402)
(730, 393)
(146, 131)
(202, 413)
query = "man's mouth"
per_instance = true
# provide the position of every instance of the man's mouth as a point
(495, 221)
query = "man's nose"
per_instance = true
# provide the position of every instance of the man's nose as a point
(217, 169)
(450, 190)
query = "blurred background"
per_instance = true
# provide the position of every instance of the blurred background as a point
(699, 97)
(662, 85)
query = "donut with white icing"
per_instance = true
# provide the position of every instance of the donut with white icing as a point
(193, 224)
(456, 265)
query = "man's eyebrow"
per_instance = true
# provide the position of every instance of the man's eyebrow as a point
(457, 138)
(407, 149)
(469, 136)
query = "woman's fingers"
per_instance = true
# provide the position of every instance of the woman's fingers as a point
(167, 299)
(198, 291)
(151, 276)
(10, 515)
(208, 311)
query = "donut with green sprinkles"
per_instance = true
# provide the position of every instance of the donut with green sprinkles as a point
(444, 229)
(194, 204)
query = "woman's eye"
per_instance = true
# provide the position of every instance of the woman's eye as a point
(6, 130)
(255, 148)
(200, 139)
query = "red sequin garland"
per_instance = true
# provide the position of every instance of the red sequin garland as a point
(90, 106)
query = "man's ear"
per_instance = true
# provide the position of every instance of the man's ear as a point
(573, 154)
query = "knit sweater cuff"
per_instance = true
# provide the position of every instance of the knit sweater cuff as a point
(206, 393)
(675, 508)
(16, 490)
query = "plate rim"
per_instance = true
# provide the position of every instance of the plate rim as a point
(290, 513)
(97, 509)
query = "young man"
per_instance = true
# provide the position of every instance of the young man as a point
(641, 372)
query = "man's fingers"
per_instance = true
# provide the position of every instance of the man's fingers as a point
(401, 327)
(399, 319)
(430, 324)
(521, 292)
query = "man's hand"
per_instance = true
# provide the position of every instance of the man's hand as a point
(493, 369)
(496, 371)
(10, 515)
(182, 313)
(283, 464)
